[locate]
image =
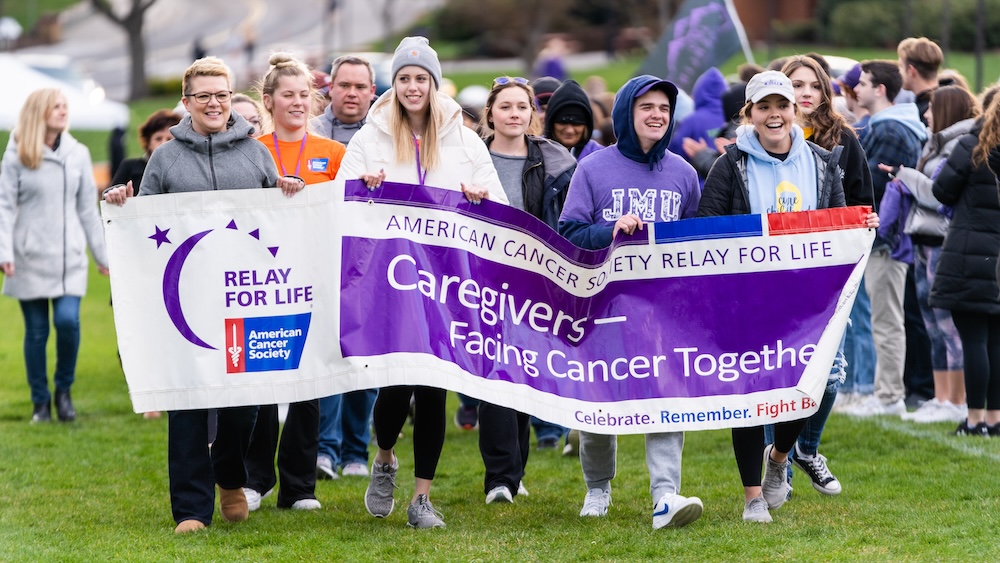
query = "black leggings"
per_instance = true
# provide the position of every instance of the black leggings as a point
(980, 334)
(748, 445)
(391, 410)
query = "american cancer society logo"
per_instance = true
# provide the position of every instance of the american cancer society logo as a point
(252, 344)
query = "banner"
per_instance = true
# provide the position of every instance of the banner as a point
(248, 297)
(703, 34)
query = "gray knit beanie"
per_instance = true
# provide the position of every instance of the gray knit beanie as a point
(417, 51)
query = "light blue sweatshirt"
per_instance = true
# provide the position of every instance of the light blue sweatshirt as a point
(777, 186)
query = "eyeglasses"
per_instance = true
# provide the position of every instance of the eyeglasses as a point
(204, 97)
(504, 80)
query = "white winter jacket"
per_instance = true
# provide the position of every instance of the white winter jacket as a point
(464, 157)
(48, 218)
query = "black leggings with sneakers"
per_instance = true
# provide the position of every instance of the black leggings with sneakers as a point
(391, 409)
(980, 334)
(748, 445)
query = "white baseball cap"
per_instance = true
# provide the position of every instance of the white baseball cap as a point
(770, 82)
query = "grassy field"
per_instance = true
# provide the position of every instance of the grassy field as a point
(97, 489)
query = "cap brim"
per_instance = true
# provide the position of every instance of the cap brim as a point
(763, 94)
(664, 85)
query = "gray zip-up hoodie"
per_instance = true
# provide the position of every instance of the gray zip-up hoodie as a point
(227, 160)
(48, 218)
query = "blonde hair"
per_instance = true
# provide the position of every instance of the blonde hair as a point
(402, 133)
(989, 136)
(206, 66)
(486, 121)
(31, 125)
(241, 98)
(284, 65)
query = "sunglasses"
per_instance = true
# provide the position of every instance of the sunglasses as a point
(504, 80)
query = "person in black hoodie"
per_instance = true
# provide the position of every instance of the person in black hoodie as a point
(535, 174)
(569, 120)
(966, 282)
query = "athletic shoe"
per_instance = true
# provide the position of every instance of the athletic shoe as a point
(925, 409)
(42, 412)
(467, 418)
(572, 447)
(378, 496)
(755, 510)
(254, 498)
(522, 491)
(844, 400)
(874, 407)
(499, 494)
(993, 431)
(355, 469)
(775, 485)
(548, 443)
(981, 430)
(945, 411)
(306, 504)
(818, 472)
(676, 511)
(596, 503)
(325, 471)
(421, 514)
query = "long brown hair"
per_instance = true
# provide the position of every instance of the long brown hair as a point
(826, 122)
(486, 121)
(989, 136)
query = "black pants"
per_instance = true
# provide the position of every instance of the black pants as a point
(296, 453)
(504, 440)
(194, 470)
(918, 372)
(748, 446)
(391, 409)
(980, 335)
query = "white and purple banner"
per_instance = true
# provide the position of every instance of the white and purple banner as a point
(247, 297)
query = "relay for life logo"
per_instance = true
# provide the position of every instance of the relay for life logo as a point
(252, 343)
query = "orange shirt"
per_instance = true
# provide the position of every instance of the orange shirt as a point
(317, 162)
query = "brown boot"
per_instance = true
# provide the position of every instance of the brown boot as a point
(189, 526)
(233, 505)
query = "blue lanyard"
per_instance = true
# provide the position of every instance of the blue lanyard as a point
(298, 159)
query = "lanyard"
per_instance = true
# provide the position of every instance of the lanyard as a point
(421, 174)
(298, 159)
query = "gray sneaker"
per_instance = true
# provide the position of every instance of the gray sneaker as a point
(596, 502)
(421, 514)
(378, 497)
(775, 487)
(755, 510)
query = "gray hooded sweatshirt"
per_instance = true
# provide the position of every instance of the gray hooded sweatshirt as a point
(48, 218)
(227, 160)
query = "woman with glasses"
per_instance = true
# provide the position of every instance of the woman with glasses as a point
(250, 109)
(288, 95)
(47, 221)
(414, 134)
(211, 150)
(535, 174)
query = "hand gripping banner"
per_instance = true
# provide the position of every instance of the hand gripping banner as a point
(247, 297)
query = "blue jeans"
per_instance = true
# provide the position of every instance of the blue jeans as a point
(345, 426)
(859, 348)
(66, 318)
(545, 429)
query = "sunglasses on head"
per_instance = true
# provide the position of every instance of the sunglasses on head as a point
(504, 80)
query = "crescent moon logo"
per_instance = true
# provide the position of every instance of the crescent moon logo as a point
(171, 289)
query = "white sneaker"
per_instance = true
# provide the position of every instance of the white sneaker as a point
(521, 490)
(874, 407)
(755, 510)
(774, 486)
(596, 503)
(325, 469)
(254, 498)
(306, 504)
(926, 409)
(945, 411)
(843, 401)
(499, 494)
(355, 469)
(676, 511)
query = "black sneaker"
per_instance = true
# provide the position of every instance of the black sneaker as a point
(994, 430)
(467, 418)
(817, 470)
(981, 430)
(42, 412)
(64, 406)
(548, 443)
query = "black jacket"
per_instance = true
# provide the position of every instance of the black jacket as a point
(726, 191)
(965, 279)
(858, 188)
(545, 179)
(569, 93)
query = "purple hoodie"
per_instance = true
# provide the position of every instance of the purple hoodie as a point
(708, 118)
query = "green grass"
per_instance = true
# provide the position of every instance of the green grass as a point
(97, 489)
(26, 12)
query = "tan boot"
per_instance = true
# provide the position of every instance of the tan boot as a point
(233, 504)
(189, 526)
